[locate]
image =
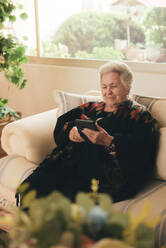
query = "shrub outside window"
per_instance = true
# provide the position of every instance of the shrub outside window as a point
(132, 30)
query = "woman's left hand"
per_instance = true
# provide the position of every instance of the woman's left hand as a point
(100, 137)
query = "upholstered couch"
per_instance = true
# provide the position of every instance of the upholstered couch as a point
(29, 140)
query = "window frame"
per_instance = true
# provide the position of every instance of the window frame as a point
(144, 67)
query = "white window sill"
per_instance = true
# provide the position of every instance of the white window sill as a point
(135, 66)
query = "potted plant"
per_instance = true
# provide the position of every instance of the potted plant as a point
(12, 55)
(54, 221)
(6, 115)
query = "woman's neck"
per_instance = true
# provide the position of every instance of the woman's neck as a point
(112, 107)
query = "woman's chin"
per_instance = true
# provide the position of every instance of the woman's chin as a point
(114, 102)
(110, 102)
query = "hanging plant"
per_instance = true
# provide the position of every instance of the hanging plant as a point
(12, 53)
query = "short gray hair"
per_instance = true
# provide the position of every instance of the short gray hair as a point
(125, 73)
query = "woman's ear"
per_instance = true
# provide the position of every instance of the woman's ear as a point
(127, 91)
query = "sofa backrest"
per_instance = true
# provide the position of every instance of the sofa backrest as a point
(157, 107)
(65, 101)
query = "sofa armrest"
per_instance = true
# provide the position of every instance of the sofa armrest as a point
(161, 155)
(31, 137)
(14, 169)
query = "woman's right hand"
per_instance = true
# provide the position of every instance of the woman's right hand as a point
(75, 136)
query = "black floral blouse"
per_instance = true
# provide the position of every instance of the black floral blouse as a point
(122, 169)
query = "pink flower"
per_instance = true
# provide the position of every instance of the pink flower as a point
(97, 106)
(84, 105)
(134, 114)
(32, 242)
(83, 117)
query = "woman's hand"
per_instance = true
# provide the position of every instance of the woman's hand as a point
(100, 137)
(75, 136)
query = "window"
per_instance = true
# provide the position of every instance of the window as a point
(24, 29)
(132, 30)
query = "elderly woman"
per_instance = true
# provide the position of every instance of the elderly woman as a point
(120, 153)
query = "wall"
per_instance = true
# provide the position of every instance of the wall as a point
(37, 96)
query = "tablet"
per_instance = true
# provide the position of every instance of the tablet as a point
(81, 124)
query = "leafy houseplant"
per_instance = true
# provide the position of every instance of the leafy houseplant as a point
(12, 54)
(55, 222)
(5, 111)
(6, 115)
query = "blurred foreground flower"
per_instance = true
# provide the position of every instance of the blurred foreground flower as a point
(140, 231)
(55, 222)
(7, 220)
(110, 243)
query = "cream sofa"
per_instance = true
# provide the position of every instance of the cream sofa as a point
(29, 140)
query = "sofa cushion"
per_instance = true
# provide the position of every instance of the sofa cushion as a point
(161, 155)
(153, 193)
(152, 197)
(13, 171)
(35, 133)
(7, 199)
(157, 107)
(160, 230)
(66, 101)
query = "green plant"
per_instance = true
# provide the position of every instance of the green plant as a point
(101, 53)
(12, 53)
(86, 30)
(5, 110)
(107, 53)
(50, 49)
(55, 220)
(154, 22)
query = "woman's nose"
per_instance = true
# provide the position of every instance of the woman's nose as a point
(109, 90)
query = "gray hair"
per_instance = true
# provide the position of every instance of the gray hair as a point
(125, 73)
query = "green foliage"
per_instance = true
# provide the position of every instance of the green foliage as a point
(144, 236)
(48, 219)
(83, 31)
(107, 53)
(83, 54)
(54, 220)
(12, 18)
(137, 34)
(84, 200)
(50, 49)
(6, 9)
(4, 239)
(154, 22)
(116, 224)
(12, 54)
(5, 110)
(86, 30)
(101, 53)
(23, 16)
(87, 201)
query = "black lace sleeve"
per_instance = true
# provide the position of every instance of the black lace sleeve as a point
(63, 126)
(66, 121)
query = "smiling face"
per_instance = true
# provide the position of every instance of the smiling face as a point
(113, 90)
